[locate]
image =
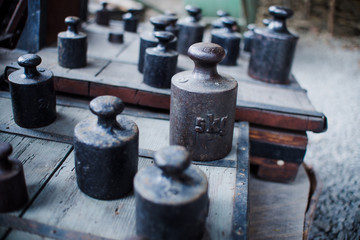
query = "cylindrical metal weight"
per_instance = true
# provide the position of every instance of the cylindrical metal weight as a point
(72, 45)
(131, 20)
(147, 39)
(218, 22)
(116, 37)
(171, 197)
(248, 37)
(172, 27)
(229, 40)
(106, 150)
(13, 192)
(202, 110)
(32, 93)
(102, 16)
(160, 62)
(273, 49)
(191, 30)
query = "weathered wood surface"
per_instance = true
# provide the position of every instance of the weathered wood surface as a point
(287, 145)
(277, 217)
(274, 169)
(38, 165)
(60, 202)
(112, 68)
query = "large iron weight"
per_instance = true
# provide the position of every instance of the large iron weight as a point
(160, 62)
(131, 20)
(106, 150)
(72, 45)
(32, 93)
(147, 39)
(229, 40)
(191, 30)
(13, 191)
(273, 49)
(102, 16)
(202, 109)
(171, 197)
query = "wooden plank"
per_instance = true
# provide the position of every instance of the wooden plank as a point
(8, 58)
(49, 57)
(107, 51)
(131, 53)
(282, 120)
(276, 209)
(68, 208)
(278, 136)
(241, 192)
(44, 230)
(289, 146)
(38, 165)
(16, 16)
(274, 169)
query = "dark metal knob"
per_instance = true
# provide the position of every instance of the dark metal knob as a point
(266, 22)
(206, 56)
(160, 22)
(172, 19)
(104, 5)
(172, 160)
(206, 53)
(73, 23)
(134, 11)
(229, 23)
(107, 108)
(5, 151)
(194, 12)
(164, 38)
(280, 14)
(251, 27)
(222, 13)
(29, 63)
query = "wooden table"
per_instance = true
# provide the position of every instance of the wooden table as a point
(241, 206)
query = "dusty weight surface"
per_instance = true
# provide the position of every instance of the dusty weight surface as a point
(106, 150)
(202, 110)
(160, 62)
(273, 49)
(171, 197)
(191, 30)
(228, 39)
(32, 93)
(148, 40)
(13, 192)
(72, 45)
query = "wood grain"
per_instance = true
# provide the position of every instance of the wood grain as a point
(38, 165)
(275, 210)
(63, 205)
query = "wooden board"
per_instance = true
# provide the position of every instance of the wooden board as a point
(267, 206)
(289, 146)
(38, 165)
